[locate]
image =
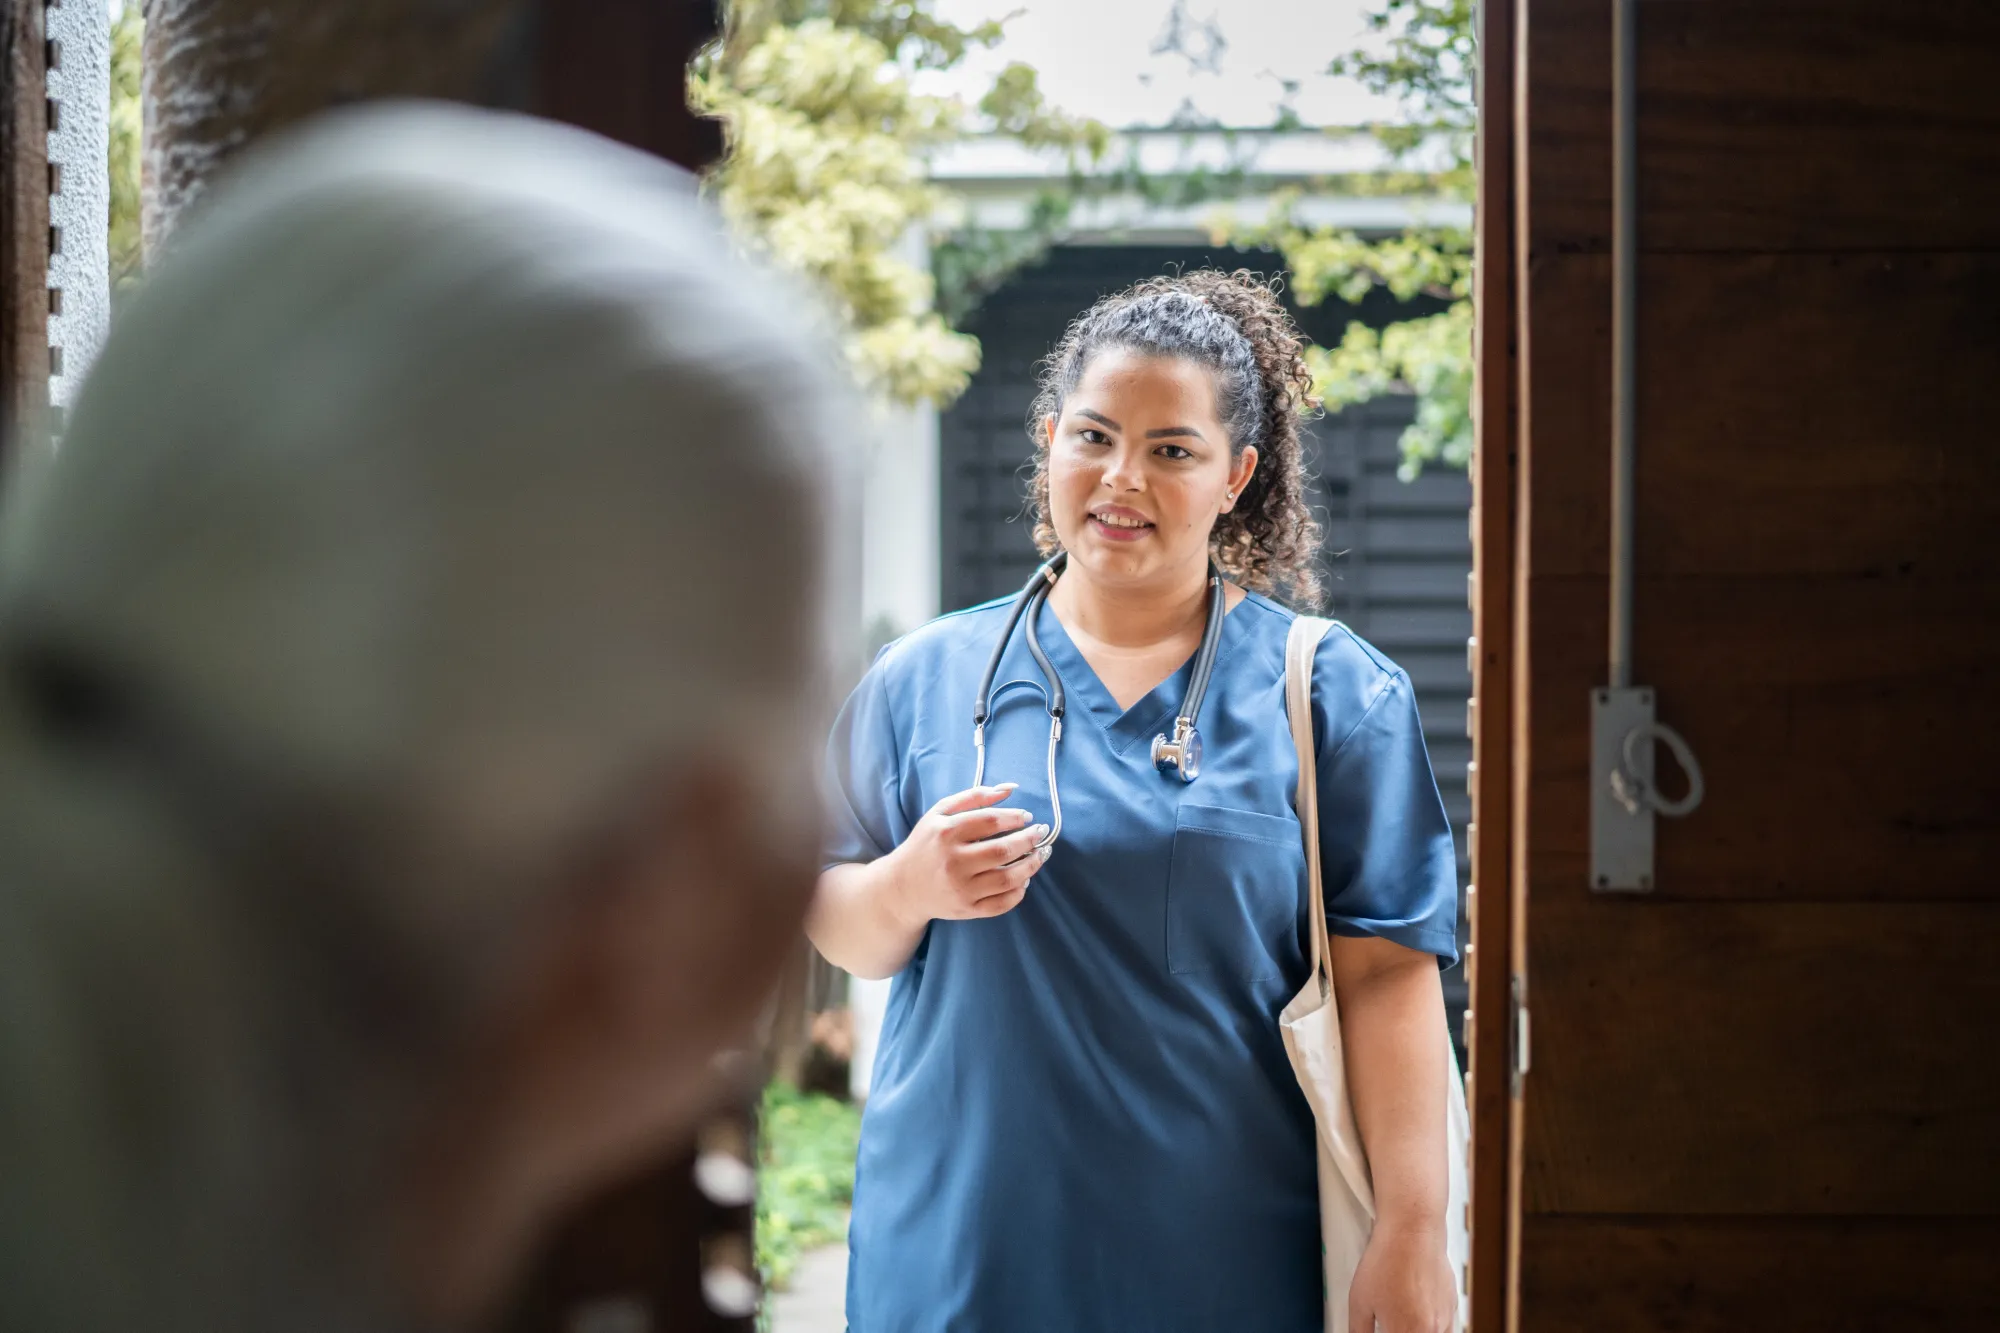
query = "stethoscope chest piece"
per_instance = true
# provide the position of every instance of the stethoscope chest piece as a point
(1180, 756)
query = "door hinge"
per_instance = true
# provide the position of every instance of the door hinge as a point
(1517, 1041)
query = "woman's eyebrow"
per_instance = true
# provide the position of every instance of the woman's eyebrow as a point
(1099, 418)
(1166, 432)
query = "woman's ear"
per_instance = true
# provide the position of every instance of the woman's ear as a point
(1049, 430)
(1240, 471)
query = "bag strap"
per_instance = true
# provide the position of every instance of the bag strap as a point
(1300, 646)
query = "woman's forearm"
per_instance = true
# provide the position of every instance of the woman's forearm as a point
(855, 923)
(1391, 1018)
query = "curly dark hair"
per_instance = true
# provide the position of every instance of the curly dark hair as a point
(1234, 324)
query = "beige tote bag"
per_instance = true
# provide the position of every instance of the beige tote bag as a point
(1311, 1026)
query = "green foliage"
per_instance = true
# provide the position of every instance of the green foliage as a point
(1430, 357)
(971, 262)
(128, 32)
(1015, 106)
(1434, 262)
(1430, 58)
(805, 1180)
(825, 171)
(1428, 63)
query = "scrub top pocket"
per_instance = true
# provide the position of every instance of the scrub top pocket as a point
(1233, 892)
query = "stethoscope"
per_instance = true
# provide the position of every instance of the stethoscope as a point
(1180, 754)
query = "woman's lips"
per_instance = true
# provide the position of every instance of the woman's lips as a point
(1116, 532)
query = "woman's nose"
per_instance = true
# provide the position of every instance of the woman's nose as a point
(1121, 471)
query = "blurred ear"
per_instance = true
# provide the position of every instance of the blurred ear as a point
(1049, 430)
(660, 959)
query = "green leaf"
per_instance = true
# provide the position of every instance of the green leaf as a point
(805, 1178)
(1427, 64)
(825, 171)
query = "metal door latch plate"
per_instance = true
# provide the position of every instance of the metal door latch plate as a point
(1621, 829)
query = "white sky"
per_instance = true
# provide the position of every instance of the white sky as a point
(1095, 58)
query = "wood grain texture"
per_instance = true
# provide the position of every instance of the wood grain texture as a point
(631, 1258)
(1773, 1058)
(221, 74)
(619, 67)
(1773, 125)
(1761, 1097)
(1520, 738)
(24, 218)
(1805, 414)
(1827, 1275)
(1488, 966)
(1841, 727)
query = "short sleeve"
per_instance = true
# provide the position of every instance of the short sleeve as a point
(1386, 859)
(863, 779)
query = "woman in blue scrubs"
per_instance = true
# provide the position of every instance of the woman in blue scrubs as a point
(1082, 1116)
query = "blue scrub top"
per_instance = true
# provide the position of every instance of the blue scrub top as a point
(1081, 1115)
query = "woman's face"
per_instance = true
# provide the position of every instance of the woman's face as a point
(1140, 468)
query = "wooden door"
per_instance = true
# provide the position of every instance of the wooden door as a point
(24, 218)
(1493, 968)
(1764, 1095)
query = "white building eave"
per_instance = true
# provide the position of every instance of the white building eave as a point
(1132, 219)
(996, 180)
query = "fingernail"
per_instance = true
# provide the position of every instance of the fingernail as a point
(1007, 786)
(1047, 852)
(1038, 832)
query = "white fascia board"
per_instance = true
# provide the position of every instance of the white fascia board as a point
(1263, 154)
(1134, 219)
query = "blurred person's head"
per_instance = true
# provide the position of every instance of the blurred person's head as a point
(406, 667)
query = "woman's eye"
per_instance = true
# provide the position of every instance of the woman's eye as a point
(1089, 436)
(1174, 451)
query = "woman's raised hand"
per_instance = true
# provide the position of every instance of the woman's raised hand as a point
(963, 860)
(966, 859)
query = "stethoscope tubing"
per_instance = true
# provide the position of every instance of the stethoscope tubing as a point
(1029, 604)
(1211, 644)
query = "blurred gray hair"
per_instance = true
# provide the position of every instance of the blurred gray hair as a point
(303, 579)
